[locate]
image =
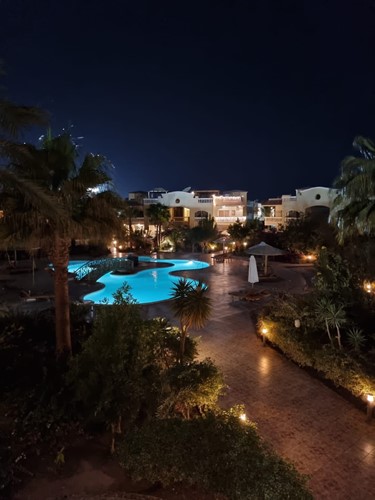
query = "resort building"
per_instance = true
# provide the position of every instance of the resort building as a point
(278, 212)
(188, 207)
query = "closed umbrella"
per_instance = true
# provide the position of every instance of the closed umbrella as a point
(264, 249)
(253, 271)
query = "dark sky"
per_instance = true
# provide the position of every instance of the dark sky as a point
(260, 95)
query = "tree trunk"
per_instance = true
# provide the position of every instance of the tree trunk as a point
(182, 342)
(329, 333)
(130, 224)
(338, 337)
(59, 256)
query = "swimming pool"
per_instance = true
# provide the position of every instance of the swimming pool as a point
(150, 285)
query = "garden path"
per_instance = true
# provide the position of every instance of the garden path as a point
(306, 422)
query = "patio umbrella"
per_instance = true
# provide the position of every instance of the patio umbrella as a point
(266, 250)
(253, 271)
(223, 240)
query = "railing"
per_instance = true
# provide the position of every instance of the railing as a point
(95, 268)
(273, 221)
(230, 219)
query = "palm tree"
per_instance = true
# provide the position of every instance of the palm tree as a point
(204, 232)
(128, 212)
(14, 119)
(191, 305)
(47, 199)
(158, 215)
(331, 315)
(354, 207)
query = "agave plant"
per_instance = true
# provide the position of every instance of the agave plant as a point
(356, 339)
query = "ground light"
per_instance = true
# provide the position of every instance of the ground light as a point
(370, 406)
(264, 335)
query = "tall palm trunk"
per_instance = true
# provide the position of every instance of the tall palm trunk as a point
(338, 336)
(59, 256)
(130, 226)
(183, 329)
(328, 332)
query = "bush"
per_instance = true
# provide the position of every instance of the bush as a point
(344, 369)
(219, 453)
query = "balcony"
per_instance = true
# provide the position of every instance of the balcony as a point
(229, 201)
(230, 220)
(273, 221)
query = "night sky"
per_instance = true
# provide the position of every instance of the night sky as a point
(265, 96)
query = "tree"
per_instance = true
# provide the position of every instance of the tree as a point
(334, 278)
(128, 212)
(239, 232)
(132, 357)
(307, 234)
(354, 207)
(192, 307)
(14, 119)
(332, 315)
(121, 350)
(158, 215)
(204, 232)
(47, 199)
(194, 389)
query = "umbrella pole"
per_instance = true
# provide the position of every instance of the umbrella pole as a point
(265, 264)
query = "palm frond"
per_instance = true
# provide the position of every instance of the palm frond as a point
(14, 118)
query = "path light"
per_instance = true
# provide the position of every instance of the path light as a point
(370, 406)
(297, 323)
(367, 286)
(243, 417)
(264, 335)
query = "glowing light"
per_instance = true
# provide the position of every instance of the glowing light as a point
(310, 257)
(370, 398)
(243, 417)
(264, 331)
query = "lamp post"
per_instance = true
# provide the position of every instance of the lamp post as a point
(370, 407)
(264, 335)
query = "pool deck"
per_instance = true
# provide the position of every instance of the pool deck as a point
(306, 422)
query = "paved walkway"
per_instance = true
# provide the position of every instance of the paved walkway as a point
(305, 421)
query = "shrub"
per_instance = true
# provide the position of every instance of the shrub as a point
(193, 387)
(218, 453)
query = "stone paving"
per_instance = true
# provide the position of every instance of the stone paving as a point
(309, 424)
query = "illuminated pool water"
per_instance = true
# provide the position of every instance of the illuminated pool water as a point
(150, 285)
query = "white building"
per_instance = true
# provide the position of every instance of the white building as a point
(278, 212)
(189, 207)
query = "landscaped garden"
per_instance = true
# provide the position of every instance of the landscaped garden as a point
(139, 382)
